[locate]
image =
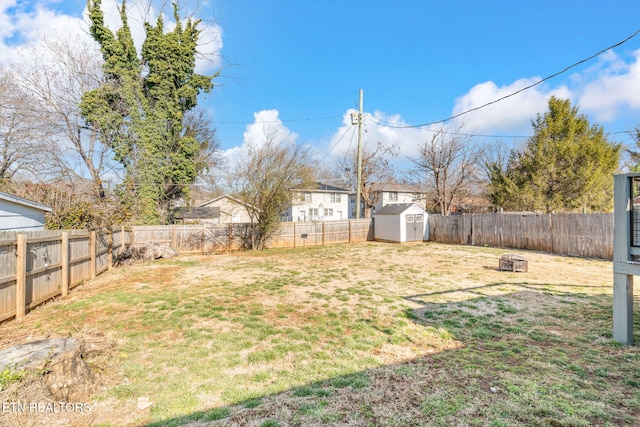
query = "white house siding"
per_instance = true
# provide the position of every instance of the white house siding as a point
(318, 206)
(14, 216)
(386, 197)
(231, 210)
(389, 197)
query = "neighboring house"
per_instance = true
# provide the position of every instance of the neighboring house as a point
(320, 203)
(230, 210)
(18, 214)
(386, 194)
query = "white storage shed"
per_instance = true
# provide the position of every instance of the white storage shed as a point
(401, 222)
(18, 214)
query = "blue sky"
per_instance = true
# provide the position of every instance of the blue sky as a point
(297, 66)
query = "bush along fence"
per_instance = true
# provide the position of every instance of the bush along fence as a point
(229, 237)
(38, 266)
(581, 235)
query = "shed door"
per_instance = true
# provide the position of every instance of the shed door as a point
(414, 227)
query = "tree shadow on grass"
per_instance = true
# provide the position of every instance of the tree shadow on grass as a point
(527, 357)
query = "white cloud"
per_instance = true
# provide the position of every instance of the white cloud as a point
(613, 89)
(21, 28)
(606, 91)
(379, 127)
(513, 114)
(209, 48)
(266, 126)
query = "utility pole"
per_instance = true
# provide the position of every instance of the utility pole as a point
(359, 171)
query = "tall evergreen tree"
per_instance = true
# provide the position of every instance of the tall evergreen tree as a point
(567, 165)
(140, 108)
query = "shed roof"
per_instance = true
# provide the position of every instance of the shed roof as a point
(20, 201)
(395, 208)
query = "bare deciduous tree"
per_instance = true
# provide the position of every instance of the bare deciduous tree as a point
(61, 70)
(447, 167)
(198, 124)
(263, 179)
(21, 139)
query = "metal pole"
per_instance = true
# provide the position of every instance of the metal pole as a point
(359, 172)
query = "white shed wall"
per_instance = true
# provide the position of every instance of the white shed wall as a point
(14, 216)
(387, 227)
(393, 227)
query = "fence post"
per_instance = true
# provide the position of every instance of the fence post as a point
(473, 237)
(349, 231)
(230, 236)
(110, 250)
(21, 276)
(92, 249)
(174, 238)
(294, 234)
(323, 233)
(203, 239)
(64, 273)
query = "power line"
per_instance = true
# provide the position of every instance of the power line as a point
(518, 91)
(480, 135)
(346, 153)
(350, 128)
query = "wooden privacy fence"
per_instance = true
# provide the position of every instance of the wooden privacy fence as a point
(37, 266)
(582, 235)
(227, 237)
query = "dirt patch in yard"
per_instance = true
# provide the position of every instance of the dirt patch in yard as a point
(365, 327)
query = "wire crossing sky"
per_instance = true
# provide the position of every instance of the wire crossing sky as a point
(294, 68)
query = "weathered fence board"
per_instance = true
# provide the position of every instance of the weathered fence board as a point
(44, 268)
(582, 235)
(226, 237)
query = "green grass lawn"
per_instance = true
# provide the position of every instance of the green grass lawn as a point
(368, 334)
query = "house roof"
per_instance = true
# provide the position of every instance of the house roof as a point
(20, 201)
(395, 208)
(225, 196)
(320, 187)
(392, 186)
(200, 212)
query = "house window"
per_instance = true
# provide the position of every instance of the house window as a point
(313, 213)
(352, 198)
(328, 212)
(305, 197)
(335, 198)
(393, 196)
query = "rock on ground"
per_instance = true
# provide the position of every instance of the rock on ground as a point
(65, 374)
